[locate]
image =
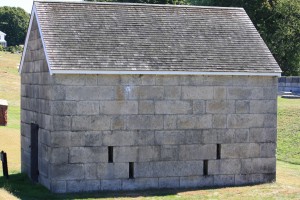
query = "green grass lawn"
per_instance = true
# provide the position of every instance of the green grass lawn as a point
(287, 185)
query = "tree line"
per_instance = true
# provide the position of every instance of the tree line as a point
(278, 22)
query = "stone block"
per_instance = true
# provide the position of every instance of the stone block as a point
(119, 138)
(93, 138)
(242, 106)
(59, 155)
(143, 169)
(169, 137)
(63, 107)
(241, 93)
(111, 185)
(223, 180)
(220, 92)
(147, 79)
(118, 107)
(240, 150)
(66, 171)
(58, 186)
(90, 171)
(69, 79)
(126, 154)
(113, 170)
(170, 122)
(118, 122)
(95, 122)
(83, 186)
(258, 165)
(224, 167)
(218, 107)
(90, 93)
(88, 154)
(267, 150)
(61, 123)
(139, 183)
(146, 107)
(198, 107)
(219, 80)
(169, 182)
(127, 92)
(196, 181)
(210, 136)
(145, 137)
(109, 80)
(263, 135)
(91, 80)
(197, 92)
(241, 135)
(225, 136)
(246, 121)
(173, 107)
(145, 122)
(194, 136)
(172, 92)
(130, 79)
(151, 92)
(263, 106)
(194, 122)
(178, 168)
(219, 121)
(167, 80)
(197, 152)
(270, 120)
(148, 153)
(57, 92)
(87, 108)
(169, 153)
(270, 93)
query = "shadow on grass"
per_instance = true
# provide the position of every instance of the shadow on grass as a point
(20, 186)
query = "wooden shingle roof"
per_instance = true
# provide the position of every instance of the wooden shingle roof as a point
(110, 37)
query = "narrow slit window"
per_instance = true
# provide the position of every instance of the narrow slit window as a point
(218, 151)
(131, 170)
(110, 154)
(205, 167)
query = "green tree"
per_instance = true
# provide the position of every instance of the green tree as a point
(14, 22)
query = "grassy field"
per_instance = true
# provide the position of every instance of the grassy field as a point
(18, 186)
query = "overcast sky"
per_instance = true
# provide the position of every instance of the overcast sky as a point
(25, 4)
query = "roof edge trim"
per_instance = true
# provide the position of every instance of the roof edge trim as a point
(278, 74)
(34, 13)
(135, 4)
(26, 39)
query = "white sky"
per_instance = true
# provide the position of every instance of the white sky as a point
(25, 4)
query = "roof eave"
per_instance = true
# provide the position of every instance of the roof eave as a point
(278, 74)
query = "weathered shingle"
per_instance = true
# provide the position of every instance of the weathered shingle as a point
(125, 37)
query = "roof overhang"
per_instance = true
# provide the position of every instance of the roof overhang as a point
(278, 74)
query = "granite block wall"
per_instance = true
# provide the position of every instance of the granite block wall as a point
(167, 126)
(126, 132)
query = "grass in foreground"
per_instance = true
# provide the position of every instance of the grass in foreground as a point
(288, 137)
(287, 186)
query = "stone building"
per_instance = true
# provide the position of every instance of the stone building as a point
(135, 96)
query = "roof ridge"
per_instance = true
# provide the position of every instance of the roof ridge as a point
(137, 4)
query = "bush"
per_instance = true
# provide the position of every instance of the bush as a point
(1, 48)
(15, 49)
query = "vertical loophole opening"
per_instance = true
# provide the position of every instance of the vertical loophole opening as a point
(131, 170)
(218, 151)
(110, 154)
(205, 167)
